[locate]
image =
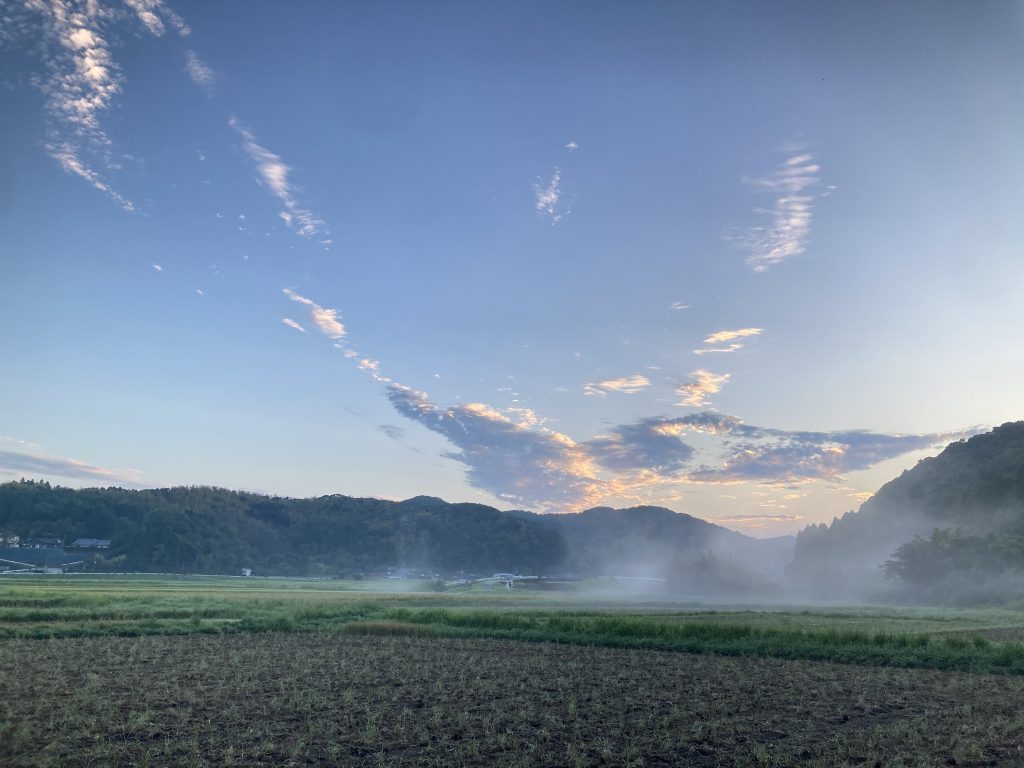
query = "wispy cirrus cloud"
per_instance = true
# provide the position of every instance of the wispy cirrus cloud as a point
(793, 186)
(718, 350)
(13, 462)
(548, 197)
(697, 392)
(722, 337)
(83, 80)
(627, 385)
(81, 83)
(292, 324)
(156, 15)
(273, 174)
(197, 70)
(327, 320)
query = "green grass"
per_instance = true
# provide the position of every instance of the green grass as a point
(935, 651)
(77, 606)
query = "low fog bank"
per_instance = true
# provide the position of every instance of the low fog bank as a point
(950, 531)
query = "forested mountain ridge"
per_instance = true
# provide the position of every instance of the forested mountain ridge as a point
(213, 530)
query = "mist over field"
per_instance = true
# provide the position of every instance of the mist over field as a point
(949, 531)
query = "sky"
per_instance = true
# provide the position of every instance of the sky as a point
(747, 261)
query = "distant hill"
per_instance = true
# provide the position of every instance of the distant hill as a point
(212, 530)
(975, 487)
(640, 541)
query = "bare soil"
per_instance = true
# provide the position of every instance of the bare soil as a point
(303, 700)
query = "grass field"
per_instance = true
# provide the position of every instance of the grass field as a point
(120, 670)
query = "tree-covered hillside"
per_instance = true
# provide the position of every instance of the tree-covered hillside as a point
(212, 530)
(973, 490)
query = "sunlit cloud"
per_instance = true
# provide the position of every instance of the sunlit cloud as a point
(548, 197)
(627, 385)
(717, 350)
(790, 216)
(373, 368)
(507, 454)
(519, 464)
(678, 305)
(13, 462)
(328, 321)
(158, 268)
(720, 337)
(273, 174)
(292, 324)
(702, 385)
(572, 146)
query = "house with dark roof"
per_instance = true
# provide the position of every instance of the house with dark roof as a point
(91, 543)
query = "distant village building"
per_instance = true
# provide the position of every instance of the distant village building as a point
(406, 574)
(45, 542)
(13, 542)
(91, 543)
(247, 571)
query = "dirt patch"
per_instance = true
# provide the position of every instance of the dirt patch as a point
(303, 700)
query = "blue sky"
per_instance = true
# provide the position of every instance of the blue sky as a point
(744, 260)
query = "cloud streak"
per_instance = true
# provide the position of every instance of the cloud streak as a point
(327, 320)
(790, 216)
(627, 385)
(273, 175)
(12, 462)
(156, 16)
(720, 337)
(197, 70)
